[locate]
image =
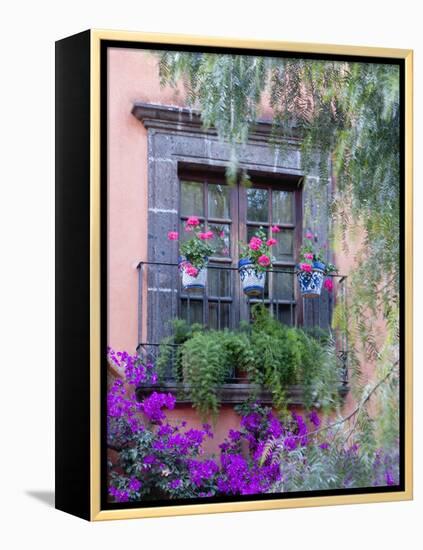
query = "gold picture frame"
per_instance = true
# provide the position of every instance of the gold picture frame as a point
(82, 496)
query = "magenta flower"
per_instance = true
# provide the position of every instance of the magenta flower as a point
(173, 235)
(309, 235)
(305, 267)
(206, 236)
(193, 221)
(314, 418)
(175, 484)
(119, 494)
(389, 478)
(275, 229)
(134, 484)
(264, 260)
(191, 271)
(255, 243)
(328, 284)
(271, 241)
(308, 256)
(152, 406)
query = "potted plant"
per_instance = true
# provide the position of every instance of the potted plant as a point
(312, 268)
(194, 254)
(255, 259)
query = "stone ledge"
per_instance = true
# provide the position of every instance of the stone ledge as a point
(183, 119)
(231, 393)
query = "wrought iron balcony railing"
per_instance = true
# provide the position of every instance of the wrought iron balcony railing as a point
(222, 304)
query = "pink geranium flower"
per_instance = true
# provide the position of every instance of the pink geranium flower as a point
(264, 260)
(309, 235)
(206, 236)
(275, 229)
(193, 221)
(271, 242)
(308, 256)
(255, 243)
(191, 270)
(328, 284)
(172, 235)
(305, 267)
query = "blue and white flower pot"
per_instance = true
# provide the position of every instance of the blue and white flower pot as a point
(311, 283)
(252, 279)
(188, 281)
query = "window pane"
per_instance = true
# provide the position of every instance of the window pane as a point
(218, 201)
(192, 203)
(183, 234)
(284, 313)
(192, 313)
(222, 239)
(219, 315)
(284, 248)
(257, 205)
(283, 285)
(282, 207)
(219, 281)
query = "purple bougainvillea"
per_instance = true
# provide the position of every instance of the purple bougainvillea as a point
(160, 459)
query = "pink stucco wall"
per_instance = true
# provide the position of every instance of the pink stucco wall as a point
(133, 75)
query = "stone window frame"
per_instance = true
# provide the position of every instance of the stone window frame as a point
(177, 141)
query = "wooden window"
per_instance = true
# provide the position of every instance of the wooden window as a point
(266, 205)
(234, 214)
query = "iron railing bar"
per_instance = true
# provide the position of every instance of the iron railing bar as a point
(171, 300)
(157, 279)
(291, 306)
(140, 291)
(205, 310)
(267, 300)
(234, 268)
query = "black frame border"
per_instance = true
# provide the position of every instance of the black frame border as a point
(104, 45)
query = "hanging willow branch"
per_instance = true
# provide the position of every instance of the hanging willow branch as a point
(347, 116)
(272, 444)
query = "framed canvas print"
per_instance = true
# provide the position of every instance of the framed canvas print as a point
(234, 275)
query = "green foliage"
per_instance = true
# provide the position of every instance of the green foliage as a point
(273, 355)
(205, 370)
(313, 468)
(203, 360)
(286, 355)
(169, 360)
(227, 88)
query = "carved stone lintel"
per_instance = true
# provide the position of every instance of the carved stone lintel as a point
(182, 119)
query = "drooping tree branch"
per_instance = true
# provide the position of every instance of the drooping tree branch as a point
(354, 413)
